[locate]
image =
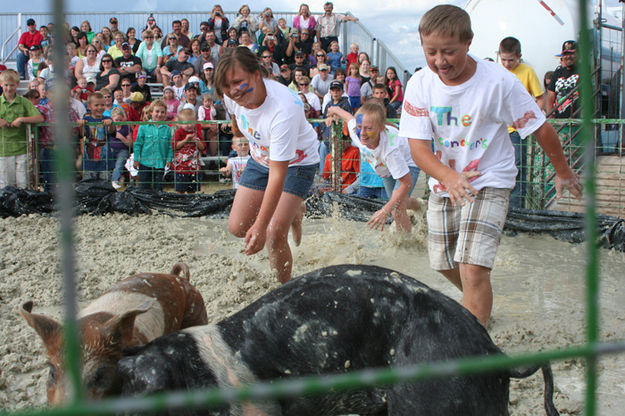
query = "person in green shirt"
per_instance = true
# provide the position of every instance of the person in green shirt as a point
(15, 113)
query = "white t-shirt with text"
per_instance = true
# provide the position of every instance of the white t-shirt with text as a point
(468, 123)
(390, 158)
(277, 130)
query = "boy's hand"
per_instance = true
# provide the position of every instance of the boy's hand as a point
(569, 181)
(17, 122)
(378, 219)
(458, 186)
(136, 165)
(3, 123)
(107, 122)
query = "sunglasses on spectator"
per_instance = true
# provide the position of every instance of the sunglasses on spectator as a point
(320, 54)
(148, 37)
(91, 50)
(125, 85)
(266, 56)
(303, 85)
(106, 96)
(104, 61)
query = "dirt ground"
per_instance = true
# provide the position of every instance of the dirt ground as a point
(538, 284)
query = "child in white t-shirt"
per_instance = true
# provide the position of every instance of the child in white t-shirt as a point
(236, 165)
(389, 155)
(463, 105)
(285, 156)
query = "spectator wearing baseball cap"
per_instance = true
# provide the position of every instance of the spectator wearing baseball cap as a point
(128, 64)
(29, 38)
(335, 97)
(113, 24)
(36, 58)
(179, 64)
(191, 99)
(285, 75)
(564, 82)
(321, 82)
(142, 86)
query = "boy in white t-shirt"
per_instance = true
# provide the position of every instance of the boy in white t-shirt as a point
(236, 165)
(464, 104)
(389, 155)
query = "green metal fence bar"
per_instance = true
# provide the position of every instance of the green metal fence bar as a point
(65, 197)
(319, 384)
(592, 267)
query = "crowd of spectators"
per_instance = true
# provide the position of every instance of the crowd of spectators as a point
(120, 64)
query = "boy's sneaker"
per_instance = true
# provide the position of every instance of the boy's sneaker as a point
(116, 185)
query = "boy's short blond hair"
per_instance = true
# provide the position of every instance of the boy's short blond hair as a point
(186, 114)
(236, 139)
(375, 111)
(10, 75)
(447, 20)
(158, 103)
(94, 96)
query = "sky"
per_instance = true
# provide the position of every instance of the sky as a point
(396, 24)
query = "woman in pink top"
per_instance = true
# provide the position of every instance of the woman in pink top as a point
(304, 20)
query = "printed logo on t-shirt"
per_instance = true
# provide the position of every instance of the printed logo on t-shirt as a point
(298, 100)
(521, 122)
(415, 111)
(245, 125)
(444, 117)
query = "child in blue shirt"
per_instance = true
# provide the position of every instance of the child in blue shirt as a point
(334, 58)
(95, 158)
(153, 150)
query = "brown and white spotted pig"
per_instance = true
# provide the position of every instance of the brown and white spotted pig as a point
(135, 311)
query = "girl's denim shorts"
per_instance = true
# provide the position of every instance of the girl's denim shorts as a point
(298, 179)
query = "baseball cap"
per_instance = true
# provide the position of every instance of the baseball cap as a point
(205, 47)
(142, 75)
(113, 20)
(300, 53)
(190, 85)
(569, 46)
(90, 78)
(283, 67)
(194, 79)
(137, 97)
(175, 72)
(232, 42)
(208, 65)
(125, 45)
(30, 22)
(169, 88)
(336, 84)
(33, 47)
(323, 67)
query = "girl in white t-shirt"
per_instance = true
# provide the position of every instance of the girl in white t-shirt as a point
(285, 156)
(389, 155)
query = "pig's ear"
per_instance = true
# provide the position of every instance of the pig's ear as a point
(181, 267)
(48, 329)
(121, 327)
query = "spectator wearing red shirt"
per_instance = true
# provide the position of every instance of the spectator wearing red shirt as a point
(28, 39)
